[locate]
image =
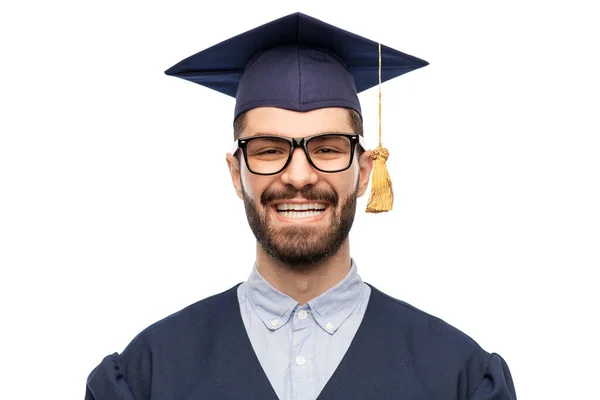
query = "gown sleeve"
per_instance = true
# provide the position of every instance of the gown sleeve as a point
(107, 382)
(497, 383)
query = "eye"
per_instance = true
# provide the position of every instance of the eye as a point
(270, 151)
(326, 150)
(268, 147)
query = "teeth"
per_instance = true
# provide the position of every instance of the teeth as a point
(296, 214)
(300, 207)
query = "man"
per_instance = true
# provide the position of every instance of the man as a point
(304, 325)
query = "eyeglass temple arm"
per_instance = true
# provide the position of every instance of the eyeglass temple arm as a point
(235, 146)
(362, 142)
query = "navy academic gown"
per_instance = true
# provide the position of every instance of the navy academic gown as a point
(398, 352)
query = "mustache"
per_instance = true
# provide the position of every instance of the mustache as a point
(307, 192)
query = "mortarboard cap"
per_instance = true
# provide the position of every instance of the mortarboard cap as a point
(300, 63)
(295, 62)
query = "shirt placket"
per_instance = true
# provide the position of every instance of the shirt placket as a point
(302, 363)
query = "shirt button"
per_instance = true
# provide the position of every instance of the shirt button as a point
(275, 323)
(302, 314)
(300, 360)
(329, 326)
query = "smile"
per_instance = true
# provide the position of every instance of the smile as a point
(303, 210)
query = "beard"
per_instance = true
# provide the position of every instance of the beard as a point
(300, 247)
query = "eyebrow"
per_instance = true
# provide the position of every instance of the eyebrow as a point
(265, 134)
(281, 135)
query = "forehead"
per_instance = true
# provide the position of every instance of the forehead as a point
(279, 121)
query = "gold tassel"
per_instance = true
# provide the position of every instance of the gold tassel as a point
(382, 196)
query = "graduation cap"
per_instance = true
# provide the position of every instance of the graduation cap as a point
(300, 63)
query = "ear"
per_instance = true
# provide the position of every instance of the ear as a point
(365, 163)
(234, 169)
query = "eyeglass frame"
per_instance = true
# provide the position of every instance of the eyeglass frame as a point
(295, 143)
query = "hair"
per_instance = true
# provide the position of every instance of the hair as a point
(355, 120)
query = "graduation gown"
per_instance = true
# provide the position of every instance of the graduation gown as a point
(398, 352)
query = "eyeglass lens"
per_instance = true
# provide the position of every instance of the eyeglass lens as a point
(327, 153)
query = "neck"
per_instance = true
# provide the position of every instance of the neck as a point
(307, 283)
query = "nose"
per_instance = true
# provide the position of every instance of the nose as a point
(299, 173)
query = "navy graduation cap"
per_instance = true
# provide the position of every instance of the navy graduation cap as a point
(300, 63)
(295, 62)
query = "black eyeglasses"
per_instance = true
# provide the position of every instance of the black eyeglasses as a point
(326, 152)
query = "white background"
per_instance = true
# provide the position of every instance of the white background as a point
(117, 209)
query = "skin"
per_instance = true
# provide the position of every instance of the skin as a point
(303, 282)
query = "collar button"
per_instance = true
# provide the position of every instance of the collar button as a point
(302, 314)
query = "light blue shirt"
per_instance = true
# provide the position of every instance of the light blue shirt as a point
(299, 347)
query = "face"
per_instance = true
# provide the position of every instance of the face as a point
(301, 238)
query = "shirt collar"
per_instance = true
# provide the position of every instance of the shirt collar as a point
(272, 306)
(330, 309)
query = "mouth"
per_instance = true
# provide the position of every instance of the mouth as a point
(300, 211)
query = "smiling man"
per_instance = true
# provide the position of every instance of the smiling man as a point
(300, 202)
(304, 325)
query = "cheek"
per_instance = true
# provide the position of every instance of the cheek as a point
(254, 185)
(346, 183)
